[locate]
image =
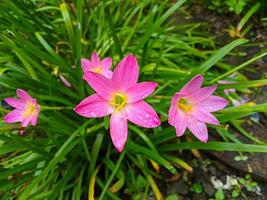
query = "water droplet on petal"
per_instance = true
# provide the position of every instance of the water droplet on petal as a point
(93, 114)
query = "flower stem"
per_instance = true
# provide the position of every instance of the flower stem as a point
(112, 175)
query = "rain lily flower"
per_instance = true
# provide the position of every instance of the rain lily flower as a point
(122, 97)
(97, 66)
(26, 109)
(191, 108)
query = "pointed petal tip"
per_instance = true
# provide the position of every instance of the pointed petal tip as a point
(198, 77)
(205, 141)
(20, 90)
(22, 94)
(193, 85)
(225, 102)
(131, 57)
(155, 84)
(180, 129)
(119, 148)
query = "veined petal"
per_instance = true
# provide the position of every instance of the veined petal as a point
(13, 116)
(180, 129)
(126, 73)
(140, 91)
(142, 114)
(22, 94)
(178, 119)
(16, 103)
(213, 103)
(204, 116)
(86, 64)
(202, 94)
(93, 106)
(176, 116)
(198, 128)
(95, 61)
(193, 85)
(118, 130)
(102, 85)
(106, 63)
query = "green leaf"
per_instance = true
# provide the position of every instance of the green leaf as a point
(219, 194)
(215, 146)
(213, 60)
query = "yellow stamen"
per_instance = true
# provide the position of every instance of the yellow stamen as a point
(184, 105)
(118, 100)
(29, 110)
(98, 70)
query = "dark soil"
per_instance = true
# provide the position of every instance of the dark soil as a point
(207, 171)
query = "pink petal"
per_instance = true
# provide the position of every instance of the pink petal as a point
(180, 129)
(26, 121)
(213, 103)
(107, 74)
(178, 119)
(118, 130)
(140, 91)
(93, 106)
(13, 116)
(198, 128)
(34, 120)
(16, 103)
(22, 94)
(193, 85)
(86, 64)
(106, 63)
(101, 84)
(142, 114)
(204, 116)
(95, 61)
(202, 94)
(126, 73)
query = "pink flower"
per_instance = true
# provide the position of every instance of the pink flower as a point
(26, 109)
(122, 97)
(97, 66)
(191, 108)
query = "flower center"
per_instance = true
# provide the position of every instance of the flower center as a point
(184, 105)
(118, 100)
(29, 110)
(98, 70)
